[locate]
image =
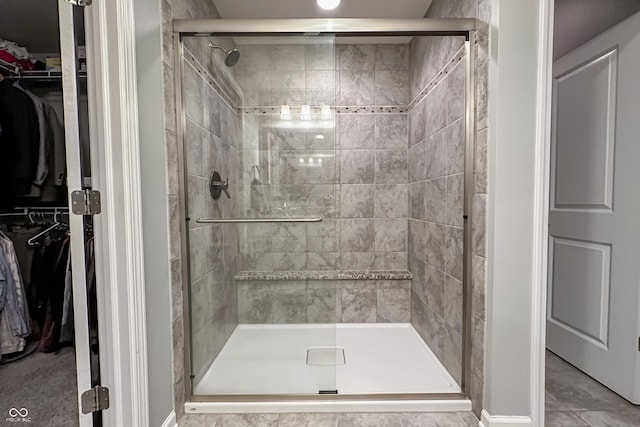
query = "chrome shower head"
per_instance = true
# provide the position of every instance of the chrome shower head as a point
(231, 57)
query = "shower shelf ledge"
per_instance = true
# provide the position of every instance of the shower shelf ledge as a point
(326, 275)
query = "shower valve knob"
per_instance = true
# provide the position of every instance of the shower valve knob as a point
(217, 186)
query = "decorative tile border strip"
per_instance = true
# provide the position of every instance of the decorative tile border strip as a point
(231, 93)
(325, 275)
(316, 110)
(217, 79)
(459, 56)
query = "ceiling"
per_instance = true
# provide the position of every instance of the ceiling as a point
(287, 9)
(578, 21)
(33, 24)
(292, 9)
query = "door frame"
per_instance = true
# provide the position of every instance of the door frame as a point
(122, 323)
(115, 163)
(542, 170)
(542, 240)
(336, 26)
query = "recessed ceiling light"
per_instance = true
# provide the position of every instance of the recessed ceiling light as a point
(328, 4)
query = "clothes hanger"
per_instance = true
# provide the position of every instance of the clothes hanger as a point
(33, 241)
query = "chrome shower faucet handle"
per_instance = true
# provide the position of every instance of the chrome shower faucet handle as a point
(217, 186)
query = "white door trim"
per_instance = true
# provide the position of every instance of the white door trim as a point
(77, 250)
(118, 229)
(170, 421)
(487, 420)
(541, 210)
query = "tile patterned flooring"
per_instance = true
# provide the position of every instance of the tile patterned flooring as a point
(573, 399)
(452, 419)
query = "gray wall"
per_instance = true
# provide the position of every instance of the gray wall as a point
(154, 209)
(512, 206)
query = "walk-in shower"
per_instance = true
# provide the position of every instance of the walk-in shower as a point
(337, 268)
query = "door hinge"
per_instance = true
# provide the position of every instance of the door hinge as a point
(81, 3)
(638, 343)
(85, 202)
(95, 399)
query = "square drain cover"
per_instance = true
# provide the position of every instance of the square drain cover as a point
(325, 356)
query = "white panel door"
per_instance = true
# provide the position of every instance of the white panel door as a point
(594, 222)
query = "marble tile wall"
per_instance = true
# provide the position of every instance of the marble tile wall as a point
(436, 172)
(212, 127)
(324, 301)
(436, 144)
(373, 157)
(360, 188)
(212, 139)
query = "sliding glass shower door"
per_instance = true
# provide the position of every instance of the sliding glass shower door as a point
(261, 195)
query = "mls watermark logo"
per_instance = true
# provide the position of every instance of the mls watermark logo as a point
(18, 416)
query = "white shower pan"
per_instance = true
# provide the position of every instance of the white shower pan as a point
(378, 358)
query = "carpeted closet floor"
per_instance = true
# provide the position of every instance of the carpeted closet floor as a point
(44, 384)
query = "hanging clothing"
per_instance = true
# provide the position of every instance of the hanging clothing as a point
(58, 160)
(44, 262)
(10, 300)
(45, 302)
(11, 260)
(19, 236)
(51, 309)
(52, 161)
(9, 343)
(19, 142)
(44, 144)
(14, 314)
(67, 331)
(54, 99)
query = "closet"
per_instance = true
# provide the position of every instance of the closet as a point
(40, 356)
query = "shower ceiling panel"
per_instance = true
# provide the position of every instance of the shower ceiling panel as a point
(287, 9)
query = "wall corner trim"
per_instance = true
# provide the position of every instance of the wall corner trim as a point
(170, 421)
(487, 420)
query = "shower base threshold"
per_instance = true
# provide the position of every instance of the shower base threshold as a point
(389, 358)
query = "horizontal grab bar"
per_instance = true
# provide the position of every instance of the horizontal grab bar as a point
(257, 220)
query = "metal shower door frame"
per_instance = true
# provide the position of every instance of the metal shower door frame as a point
(351, 27)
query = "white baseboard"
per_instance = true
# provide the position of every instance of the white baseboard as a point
(487, 420)
(170, 421)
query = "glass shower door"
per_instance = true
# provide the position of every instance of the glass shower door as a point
(261, 195)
